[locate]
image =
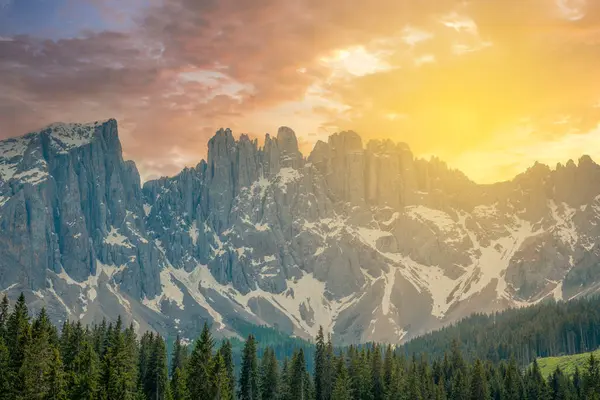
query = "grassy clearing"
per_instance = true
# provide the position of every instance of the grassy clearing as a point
(566, 363)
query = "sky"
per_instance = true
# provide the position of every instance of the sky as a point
(489, 86)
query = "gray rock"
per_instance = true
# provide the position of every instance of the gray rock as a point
(369, 242)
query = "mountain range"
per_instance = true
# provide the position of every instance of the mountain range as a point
(367, 241)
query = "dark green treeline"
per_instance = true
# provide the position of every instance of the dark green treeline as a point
(109, 362)
(544, 330)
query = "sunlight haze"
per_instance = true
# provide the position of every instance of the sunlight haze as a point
(488, 86)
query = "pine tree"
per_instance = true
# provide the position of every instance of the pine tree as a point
(35, 370)
(309, 387)
(388, 369)
(447, 374)
(85, 376)
(329, 373)
(131, 358)
(364, 384)
(320, 365)
(284, 381)
(199, 367)
(457, 362)
(71, 343)
(479, 386)
(180, 356)
(426, 378)
(227, 353)
(297, 377)
(536, 388)
(578, 384)
(156, 379)
(560, 387)
(413, 386)
(249, 388)
(496, 383)
(440, 391)
(99, 338)
(43, 326)
(269, 376)
(591, 379)
(221, 388)
(145, 374)
(18, 336)
(354, 370)
(178, 385)
(397, 387)
(57, 386)
(119, 372)
(342, 389)
(460, 386)
(4, 314)
(513, 383)
(377, 385)
(64, 342)
(5, 378)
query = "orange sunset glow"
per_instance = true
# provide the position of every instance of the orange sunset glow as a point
(489, 86)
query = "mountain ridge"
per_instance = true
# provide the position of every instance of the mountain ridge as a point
(433, 158)
(368, 241)
(570, 162)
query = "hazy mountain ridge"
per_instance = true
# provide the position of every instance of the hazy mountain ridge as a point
(367, 241)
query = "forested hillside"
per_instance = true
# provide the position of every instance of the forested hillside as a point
(109, 362)
(544, 330)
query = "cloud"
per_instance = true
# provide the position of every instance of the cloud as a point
(496, 63)
(447, 76)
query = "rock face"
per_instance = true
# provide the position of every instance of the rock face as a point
(366, 240)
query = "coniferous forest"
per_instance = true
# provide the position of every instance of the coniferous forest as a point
(111, 362)
(545, 330)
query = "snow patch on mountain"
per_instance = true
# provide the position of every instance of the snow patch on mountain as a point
(67, 136)
(115, 238)
(170, 292)
(390, 279)
(441, 220)
(194, 281)
(32, 176)
(194, 233)
(494, 259)
(11, 153)
(286, 176)
(564, 228)
(88, 289)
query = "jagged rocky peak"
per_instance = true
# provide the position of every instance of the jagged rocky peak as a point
(364, 239)
(346, 142)
(288, 146)
(341, 162)
(28, 152)
(586, 161)
(287, 140)
(381, 174)
(319, 156)
(220, 146)
(537, 173)
(576, 183)
(67, 136)
(71, 202)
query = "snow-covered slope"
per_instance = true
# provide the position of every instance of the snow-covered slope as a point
(368, 242)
